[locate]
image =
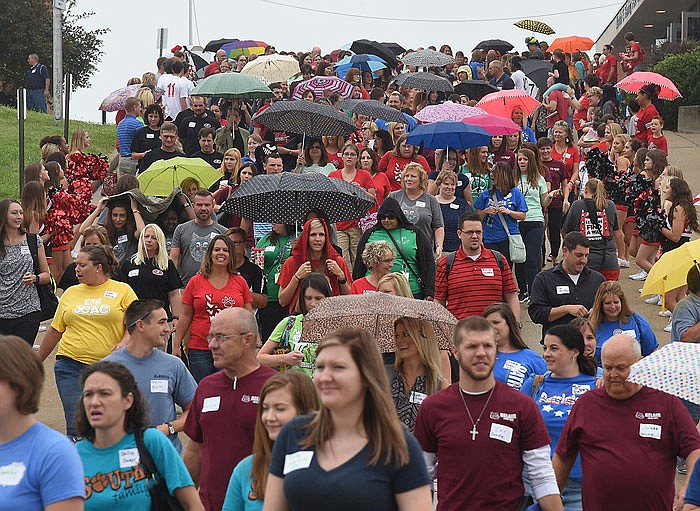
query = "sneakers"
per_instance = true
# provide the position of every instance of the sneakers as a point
(640, 275)
(623, 263)
(653, 300)
(42, 328)
(665, 313)
(681, 467)
(669, 327)
(522, 297)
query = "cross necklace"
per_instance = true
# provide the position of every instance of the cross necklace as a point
(474, 431)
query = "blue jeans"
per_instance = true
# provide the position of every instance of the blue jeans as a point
(67, 373)
(533, 234)
(201, 363)
(36, 100)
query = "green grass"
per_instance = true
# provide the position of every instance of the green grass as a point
(36, 127)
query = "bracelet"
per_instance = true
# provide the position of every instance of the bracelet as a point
(134, 211)
(344, 281)
(295, 276)
(38, 278)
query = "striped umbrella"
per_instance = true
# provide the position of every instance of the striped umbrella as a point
(324, 85)
(448, 112)
(535, 26)
(236, 48)
(305, 117)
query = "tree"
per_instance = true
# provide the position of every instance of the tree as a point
(28, 28)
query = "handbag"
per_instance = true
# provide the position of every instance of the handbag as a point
(47, 296)
(161, 500)
(283, 347)
(516, 245)
(367, 222)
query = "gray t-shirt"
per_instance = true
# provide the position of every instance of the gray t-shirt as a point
(164, 382)
(193, 240)
(603, 254)
(424, 212)
(16, 298)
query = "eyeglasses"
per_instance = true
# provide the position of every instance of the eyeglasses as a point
(350, 154)
(221, 338)
(469, 234)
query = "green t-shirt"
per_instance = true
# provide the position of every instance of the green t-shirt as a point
(478, 183)
(308, 364)
(315, 168)
(273, 261)
(532, 198)
(407, 241)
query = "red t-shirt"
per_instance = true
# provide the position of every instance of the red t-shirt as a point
(628, 448)
(364, 180)
(362, 286)
(634, 46)
(223, 408)
(562, 111)
(290, 267)
(212, 69)
(581, 114)
(207, 301)
(336, 159)
(392, 166)
(570, 158)
(603, 71)
(485, 473)
(658, 143)
(381, 184)
(643, 124)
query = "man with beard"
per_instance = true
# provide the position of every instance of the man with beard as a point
(483, 433)
(167, 150)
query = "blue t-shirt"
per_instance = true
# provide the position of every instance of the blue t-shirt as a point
(38, 468)
(692, 493)
(240, 495)
(114, 478)
(555, 398)
(353, 485)
(126, 130)
(516, 367)
(493, 228)
(637, 327)
(450, 218)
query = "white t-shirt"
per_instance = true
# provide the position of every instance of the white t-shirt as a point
(184, 88)
(170, 84)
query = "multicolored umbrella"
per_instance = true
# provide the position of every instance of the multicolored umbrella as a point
(638, 79)
(115, 101)
(376, 313)
(305, 117)
(572, 44)
(674, 369)
(248, 47)
(163, 176)
(363, 62)
(494, 125)
(372, 108)
(272, 68)
(214, 45)
(447, 112)
(452, 134)
(501, 103)
(324, 85)
(232, 86)
(424, 81)
(427, 58)
(535, 26)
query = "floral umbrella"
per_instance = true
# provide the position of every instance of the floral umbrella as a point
(115, 101)
(535, 26)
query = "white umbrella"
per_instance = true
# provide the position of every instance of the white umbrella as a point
(272, 68)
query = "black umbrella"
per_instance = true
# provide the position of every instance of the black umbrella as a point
(217, 44)
(375, 48)
(538, 71)
(313, 119)
(287, 198)
(371, 108)
(499, 45)
(424, 81)
(427, 58)
(395, 47)
(475, 89)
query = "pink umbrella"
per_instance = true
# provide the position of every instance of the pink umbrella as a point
(494, 125)
(324, 85)
(501, 103)
(447, 112)
(636, 81)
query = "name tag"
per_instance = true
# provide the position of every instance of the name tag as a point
(128, 458)
(110, 294)
(501, 432)
(134, 272)
(487, 272)
(406, 276)
(123, 239)
(417, 397)
(459, 183)
(12, 474)
(211, 404)
(150, 135)
(277, 277)
(650, 431)
(270, 249)
(24, 250)
(420, 204)
(567, 156)
(297, 461)
(159, 386)
(563, 290)
(192, 124)
(454, 206)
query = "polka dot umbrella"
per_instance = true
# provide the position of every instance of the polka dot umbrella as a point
(674, 369)
(287, 198)
(305, 117)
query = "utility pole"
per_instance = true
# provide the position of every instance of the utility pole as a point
(191, 18)
(58, 7)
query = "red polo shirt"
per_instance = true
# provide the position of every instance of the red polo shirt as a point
(474, 284)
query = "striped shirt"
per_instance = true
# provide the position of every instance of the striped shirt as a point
(126, 129)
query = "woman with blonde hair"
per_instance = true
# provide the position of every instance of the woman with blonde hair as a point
(378, 257)
(394, 283)
(79, 141)
(393, 163)
(611, 314)
(478, 171)
(230, 165)
(355, 430)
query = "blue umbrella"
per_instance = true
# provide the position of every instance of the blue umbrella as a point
(451, 134)
(363, 62)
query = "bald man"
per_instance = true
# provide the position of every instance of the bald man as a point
(628, 436)
(221, 421)
(213, 68)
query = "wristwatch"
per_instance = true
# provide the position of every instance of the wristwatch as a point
(171, 428)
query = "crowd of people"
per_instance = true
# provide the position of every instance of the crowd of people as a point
(176, 317)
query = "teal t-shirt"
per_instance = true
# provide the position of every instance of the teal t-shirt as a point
(532, 198)
(478, 183)
(308, 364)
(273, 261)
(315, 168)
(240, 495)
(114, 478)
(406, 239)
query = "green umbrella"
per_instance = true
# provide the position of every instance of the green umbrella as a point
(163, 176)
(232, 86)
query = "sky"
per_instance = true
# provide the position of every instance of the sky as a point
(130, 46)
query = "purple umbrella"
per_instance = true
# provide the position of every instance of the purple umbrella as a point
(447, 112)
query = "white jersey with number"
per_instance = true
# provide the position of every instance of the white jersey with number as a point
(171, 86)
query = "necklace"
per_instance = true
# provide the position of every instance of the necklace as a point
(474, 431)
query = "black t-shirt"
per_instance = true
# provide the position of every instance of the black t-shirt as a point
(155, 155)
(184, 114)
(145, 139)
(253, 275)
(124, 247)
(69, 279)
(214, 159)
(563, 72)
(150, 282)
(7, 100)
(288, 141)
(188, 130)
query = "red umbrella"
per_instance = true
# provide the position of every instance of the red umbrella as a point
(501, 103)
(494, 125)
(636, 81)
(572, 43)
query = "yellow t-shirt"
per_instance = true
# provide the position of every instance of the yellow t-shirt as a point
(91, 319)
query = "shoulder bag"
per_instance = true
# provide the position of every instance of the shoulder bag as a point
(47, 297)
(516, 245)
(161, 500)
(283, 347)
(410, 268)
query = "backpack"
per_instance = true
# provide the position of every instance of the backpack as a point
(450, 261)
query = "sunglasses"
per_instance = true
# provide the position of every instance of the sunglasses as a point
(386, 217)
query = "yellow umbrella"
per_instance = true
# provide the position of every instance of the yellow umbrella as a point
(671, 270)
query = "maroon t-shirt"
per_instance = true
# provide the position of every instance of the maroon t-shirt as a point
(556, 174)
(485, 473)
(628, 448)
(222, 418)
